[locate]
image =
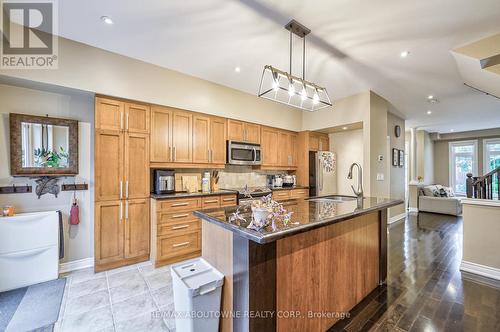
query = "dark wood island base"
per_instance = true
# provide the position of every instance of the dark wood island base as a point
(303, 282)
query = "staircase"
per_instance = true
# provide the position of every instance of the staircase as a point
(482, 186)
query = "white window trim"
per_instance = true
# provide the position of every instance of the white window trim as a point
(450, 160)
(485, 155)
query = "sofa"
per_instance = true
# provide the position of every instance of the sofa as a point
(438, 199)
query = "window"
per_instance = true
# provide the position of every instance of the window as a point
(463, 160)
(491, 153)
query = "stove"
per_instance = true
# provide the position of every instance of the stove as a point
(255, 192)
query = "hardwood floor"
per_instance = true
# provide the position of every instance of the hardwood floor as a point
(425, 289)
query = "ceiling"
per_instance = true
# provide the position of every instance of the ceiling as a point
(355, 45)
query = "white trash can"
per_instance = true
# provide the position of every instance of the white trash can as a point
(197, 296)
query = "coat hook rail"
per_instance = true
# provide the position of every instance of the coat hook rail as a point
(75, 186)
(16, 189)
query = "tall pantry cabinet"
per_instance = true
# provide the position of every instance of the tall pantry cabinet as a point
(121, 229)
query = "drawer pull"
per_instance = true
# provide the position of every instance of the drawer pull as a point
(180, 227)
(180, 244)
(212, 201)
(180, 204)
(180, 216)
(282, 194)
(228, 199)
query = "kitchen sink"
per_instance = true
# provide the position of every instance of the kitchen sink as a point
(333, 199)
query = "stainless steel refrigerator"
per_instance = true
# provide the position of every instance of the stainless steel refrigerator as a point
(322, 173)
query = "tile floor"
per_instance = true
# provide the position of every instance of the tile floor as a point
(124, 299)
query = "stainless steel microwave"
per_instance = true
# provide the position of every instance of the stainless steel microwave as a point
(242, 153)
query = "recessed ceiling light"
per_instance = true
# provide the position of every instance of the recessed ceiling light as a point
(429, 112)
(345, 128)
(430, 97)
(404, 54)
(237, 69)
(106, 19)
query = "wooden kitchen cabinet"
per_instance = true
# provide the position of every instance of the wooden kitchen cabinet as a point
(318, 141)
(136, 221)
(108, 232)
(182, 133)
(201, 139)
(269, 146)
(137, 118)
(324, 143)
(161, 134)
(243, 131)
(109, 114)
(136, 174)
(313, 142)
(109, 164)
(218, 137)
(287, 149)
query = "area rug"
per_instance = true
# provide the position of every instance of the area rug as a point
(32, 308)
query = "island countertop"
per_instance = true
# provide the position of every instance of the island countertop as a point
(307, 214)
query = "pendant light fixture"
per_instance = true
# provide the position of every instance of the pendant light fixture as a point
(285, 88)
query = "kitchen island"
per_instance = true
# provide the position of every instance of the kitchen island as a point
(302, 276)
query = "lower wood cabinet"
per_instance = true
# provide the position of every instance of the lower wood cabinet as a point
(296, 193)
(121, 233)
(175, 231)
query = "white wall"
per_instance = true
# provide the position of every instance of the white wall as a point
(78, 239)
(348, 145)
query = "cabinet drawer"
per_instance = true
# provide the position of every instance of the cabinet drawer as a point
(186, 204)
(178, 228)
(281, 195)
(175, 217)
(178, 245)
(299, 193)
(228, 200)
(210, 202)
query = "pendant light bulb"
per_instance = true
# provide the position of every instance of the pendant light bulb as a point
(291, 89)
(303, 94)
(275, 86)
(315, 98)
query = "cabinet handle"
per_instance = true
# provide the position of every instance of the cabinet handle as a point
(212, 201)
(180, 244)
(126, 210)
(126, 189)
(121, 211)
(121, 189)
(170, 153)
(180, 216)
(228, 199)
(121, 120)
(175, 153)
(179, 204)
(180, 227)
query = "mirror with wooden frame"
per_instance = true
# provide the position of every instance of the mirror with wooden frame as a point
(43, 146)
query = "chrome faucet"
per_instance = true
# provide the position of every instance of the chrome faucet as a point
(358, 192)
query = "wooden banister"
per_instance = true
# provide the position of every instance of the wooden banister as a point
(482, 186)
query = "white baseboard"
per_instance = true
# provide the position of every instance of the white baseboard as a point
(482, 270)
(413, 210)
(396, 218)
(76, 265)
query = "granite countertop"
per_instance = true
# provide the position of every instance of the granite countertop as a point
(287, 188)
(307, 214)
(198, 194)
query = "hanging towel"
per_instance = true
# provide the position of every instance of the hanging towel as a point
(61, 236)
(74, 213)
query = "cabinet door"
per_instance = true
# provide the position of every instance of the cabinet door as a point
(284, 148)
(323, 143)
(313, 142)
(161, 133)
(201, 139)
(136, 166)
(252, 133)
(269, 146)
(235, 130)
(109, 114)
(109, 160)
(137, 118)
(293, 149)
(218, 140)
(136, 217)
(182, 133)
(108, 232)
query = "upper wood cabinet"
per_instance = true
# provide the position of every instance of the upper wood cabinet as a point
(324, 143)
(269, 146)
(318, 142)
(182, 134)
(313, 142)
(243, 131)
(161, 134)
(218, 137)
(201, 138)
(136, 158)
(287, 149)
(114, 114)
